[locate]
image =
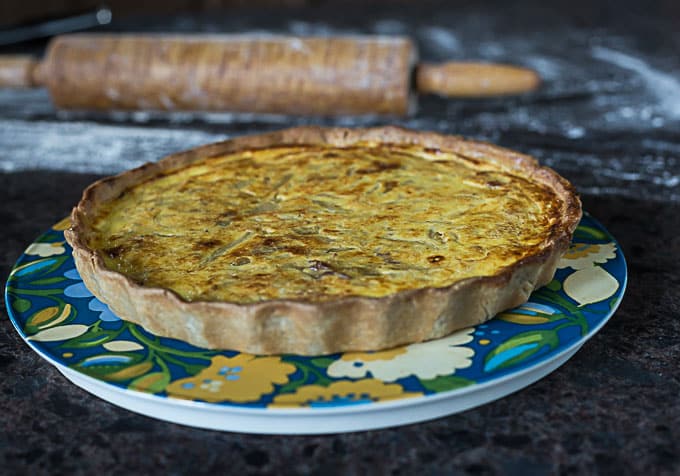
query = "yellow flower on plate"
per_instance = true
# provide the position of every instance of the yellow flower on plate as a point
(242, 378)
(46, 249)
(343, 393)
(587, 255)
(425, 360)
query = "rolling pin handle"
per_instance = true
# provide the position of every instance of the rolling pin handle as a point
(20, 71)
(38, 75)
(467, 80)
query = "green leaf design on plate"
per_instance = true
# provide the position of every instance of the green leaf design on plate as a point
(130, 372)
(92, 338)
(48, 317)
(153, 382)
(48, 281)
(322, 362)
(446, 382)
(291, 386)
(310, 374)
(38, 268)
(519, 348)
(49, 237)
(21, 304)
(114, 367)
(554, 285)
(524, 319)
(584, 231)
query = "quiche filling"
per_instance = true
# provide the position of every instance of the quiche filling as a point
(318, 222)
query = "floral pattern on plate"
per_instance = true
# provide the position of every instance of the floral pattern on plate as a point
(58, 316)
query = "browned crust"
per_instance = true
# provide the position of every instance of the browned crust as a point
(343, 324)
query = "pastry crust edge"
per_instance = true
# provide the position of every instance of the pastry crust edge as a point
(351, 323)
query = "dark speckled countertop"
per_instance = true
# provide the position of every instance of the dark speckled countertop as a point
(607, 119)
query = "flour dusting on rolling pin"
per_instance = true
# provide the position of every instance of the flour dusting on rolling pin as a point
(249, 73)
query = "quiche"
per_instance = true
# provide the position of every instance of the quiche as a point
(321, 240)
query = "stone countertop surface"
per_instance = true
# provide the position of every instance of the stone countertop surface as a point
(607, 118)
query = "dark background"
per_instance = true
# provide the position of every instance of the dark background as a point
(607, 118)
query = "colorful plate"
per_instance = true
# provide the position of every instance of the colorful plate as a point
(227, 390)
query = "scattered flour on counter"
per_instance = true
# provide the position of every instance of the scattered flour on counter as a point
(491, 50)
(547, 68)
(664, 86)
(90, 147)
(575, 132)
(175, 117)
(440, 40)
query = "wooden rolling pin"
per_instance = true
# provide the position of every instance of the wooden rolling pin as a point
(264, 74)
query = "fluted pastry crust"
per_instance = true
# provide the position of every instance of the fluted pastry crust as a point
(320, 240)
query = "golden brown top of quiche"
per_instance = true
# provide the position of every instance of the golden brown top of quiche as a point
(320, 240)
(314, 222)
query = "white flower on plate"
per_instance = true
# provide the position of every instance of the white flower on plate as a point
(587, 255)
(590, 285)
(46, 249)
(425, 360)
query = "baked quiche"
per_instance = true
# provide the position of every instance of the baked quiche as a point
(320, 240)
